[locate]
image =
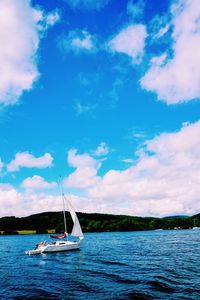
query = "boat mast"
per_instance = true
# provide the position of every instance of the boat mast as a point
(63, 198)
(64, 213)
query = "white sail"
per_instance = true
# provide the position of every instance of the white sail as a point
(76, 230)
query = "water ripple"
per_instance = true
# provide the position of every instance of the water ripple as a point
(133, 265)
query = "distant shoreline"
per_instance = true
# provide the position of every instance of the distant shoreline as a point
(34, 232)
(50, 222)
(26, 232)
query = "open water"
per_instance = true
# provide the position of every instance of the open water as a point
(131, 265)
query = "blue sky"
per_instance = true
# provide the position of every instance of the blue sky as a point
(106, 94)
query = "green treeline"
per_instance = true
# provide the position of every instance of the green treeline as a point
(95, 222)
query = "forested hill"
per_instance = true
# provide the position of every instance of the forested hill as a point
(96, 222)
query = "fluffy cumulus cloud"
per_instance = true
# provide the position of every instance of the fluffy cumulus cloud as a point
(29, 202)
(164, 180)
(10, 200)
(175, 76)
(17, 203)
(21, 27)
(37, 183)
(130, 41)
(77, 42)
(85, 174)
(28, 160)
(87, 4)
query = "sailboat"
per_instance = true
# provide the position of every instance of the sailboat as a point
(61, 242)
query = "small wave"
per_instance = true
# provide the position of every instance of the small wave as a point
(83, 287)
(35, 293)
(136, 296)
(113, 263)
(167, 279)
(161, 286)
(113, 277)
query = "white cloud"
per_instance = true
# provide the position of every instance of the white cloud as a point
(38, 183)
(85, 43)
(20, 28)
(20, 204)
(82, 178)
(5, 186)
(27, 160)
(164, 181)
(102, 149)
(162, 31)
(16, 203)
(130, 41)
(155, 185)
(87, 4)
(85, 174)
(78, 41)
(52, 18)
(10, 200)
(128, 160)
(177, 79)
(81, 160)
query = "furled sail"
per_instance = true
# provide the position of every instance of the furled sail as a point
(76, 230)
(59, 236)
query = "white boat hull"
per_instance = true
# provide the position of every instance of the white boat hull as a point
(55, 247)
(33, 252)
(61, 246)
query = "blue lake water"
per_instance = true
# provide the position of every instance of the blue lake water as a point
(131, 265)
